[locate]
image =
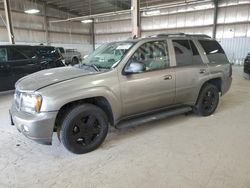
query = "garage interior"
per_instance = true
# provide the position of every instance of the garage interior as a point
(180, 151)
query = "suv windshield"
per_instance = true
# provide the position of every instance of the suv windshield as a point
(108, 55)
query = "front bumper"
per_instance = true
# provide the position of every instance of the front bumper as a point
(37, 127)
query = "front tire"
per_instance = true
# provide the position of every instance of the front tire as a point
(84, 129)
(208, 100)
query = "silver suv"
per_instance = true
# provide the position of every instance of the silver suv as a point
(122, 83)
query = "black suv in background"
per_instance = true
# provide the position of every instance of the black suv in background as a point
(247, 66)
(17, 61)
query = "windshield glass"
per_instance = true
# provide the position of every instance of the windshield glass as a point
(108, 55)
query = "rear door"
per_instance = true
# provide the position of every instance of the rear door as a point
(190, 70)
(6, 76)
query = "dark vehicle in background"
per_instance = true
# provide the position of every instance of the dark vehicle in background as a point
(17, 61)
(71, 56)
(247, 66)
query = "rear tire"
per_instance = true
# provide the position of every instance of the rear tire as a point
(84, 129)
(208, 100)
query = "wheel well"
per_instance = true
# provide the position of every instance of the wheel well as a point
(101, 102)
(215, 81)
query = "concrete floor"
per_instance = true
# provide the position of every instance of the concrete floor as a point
(177, 152)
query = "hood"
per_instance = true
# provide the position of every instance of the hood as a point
(48, 77)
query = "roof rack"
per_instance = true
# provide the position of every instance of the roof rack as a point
(180, 34)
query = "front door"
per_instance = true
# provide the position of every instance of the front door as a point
(152, 88)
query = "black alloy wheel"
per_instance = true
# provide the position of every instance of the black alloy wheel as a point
(208, 100)
(84, 128)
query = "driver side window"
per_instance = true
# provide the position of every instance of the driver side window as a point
(154, 55)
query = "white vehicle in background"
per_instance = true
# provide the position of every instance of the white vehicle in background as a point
(71, 56)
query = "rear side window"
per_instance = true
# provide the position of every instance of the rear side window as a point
(28, 51)
(47, 52)
(214, 51)
(196, 55)
(15, 55)
(61, 50)
(183, 52)
(3, 55)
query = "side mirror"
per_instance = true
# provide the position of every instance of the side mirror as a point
(135, 67)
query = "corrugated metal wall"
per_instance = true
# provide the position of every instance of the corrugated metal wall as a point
(233, 28)
(30, 29)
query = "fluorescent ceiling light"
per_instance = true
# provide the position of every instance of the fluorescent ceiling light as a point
(32, 11)
(152, 13)
(87, 21)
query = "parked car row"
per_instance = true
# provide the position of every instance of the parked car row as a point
(17, 61)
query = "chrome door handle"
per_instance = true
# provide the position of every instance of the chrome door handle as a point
(168, 77)
(202, 71)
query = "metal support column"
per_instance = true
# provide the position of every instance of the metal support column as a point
(136, 18)
(92, 30)
(45, 20)
(215, 18)
(9, 21)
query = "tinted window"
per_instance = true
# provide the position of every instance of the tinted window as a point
(61, 50)
(154, 55)
(3, 54)
(14, 54)
(214, 51)
(27, 51)
(47, 52)
(196, 55)
(183, 52)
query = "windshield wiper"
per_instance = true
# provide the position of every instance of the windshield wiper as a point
(92, 65)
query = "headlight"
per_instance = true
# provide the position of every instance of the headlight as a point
(30, 102)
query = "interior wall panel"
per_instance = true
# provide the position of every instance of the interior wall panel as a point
(30, 29)
(236, 48)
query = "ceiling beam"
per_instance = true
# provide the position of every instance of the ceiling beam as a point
(56, 7)
(120, 4)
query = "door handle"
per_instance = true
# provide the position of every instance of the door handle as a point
(167, 77)
(202, 71)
